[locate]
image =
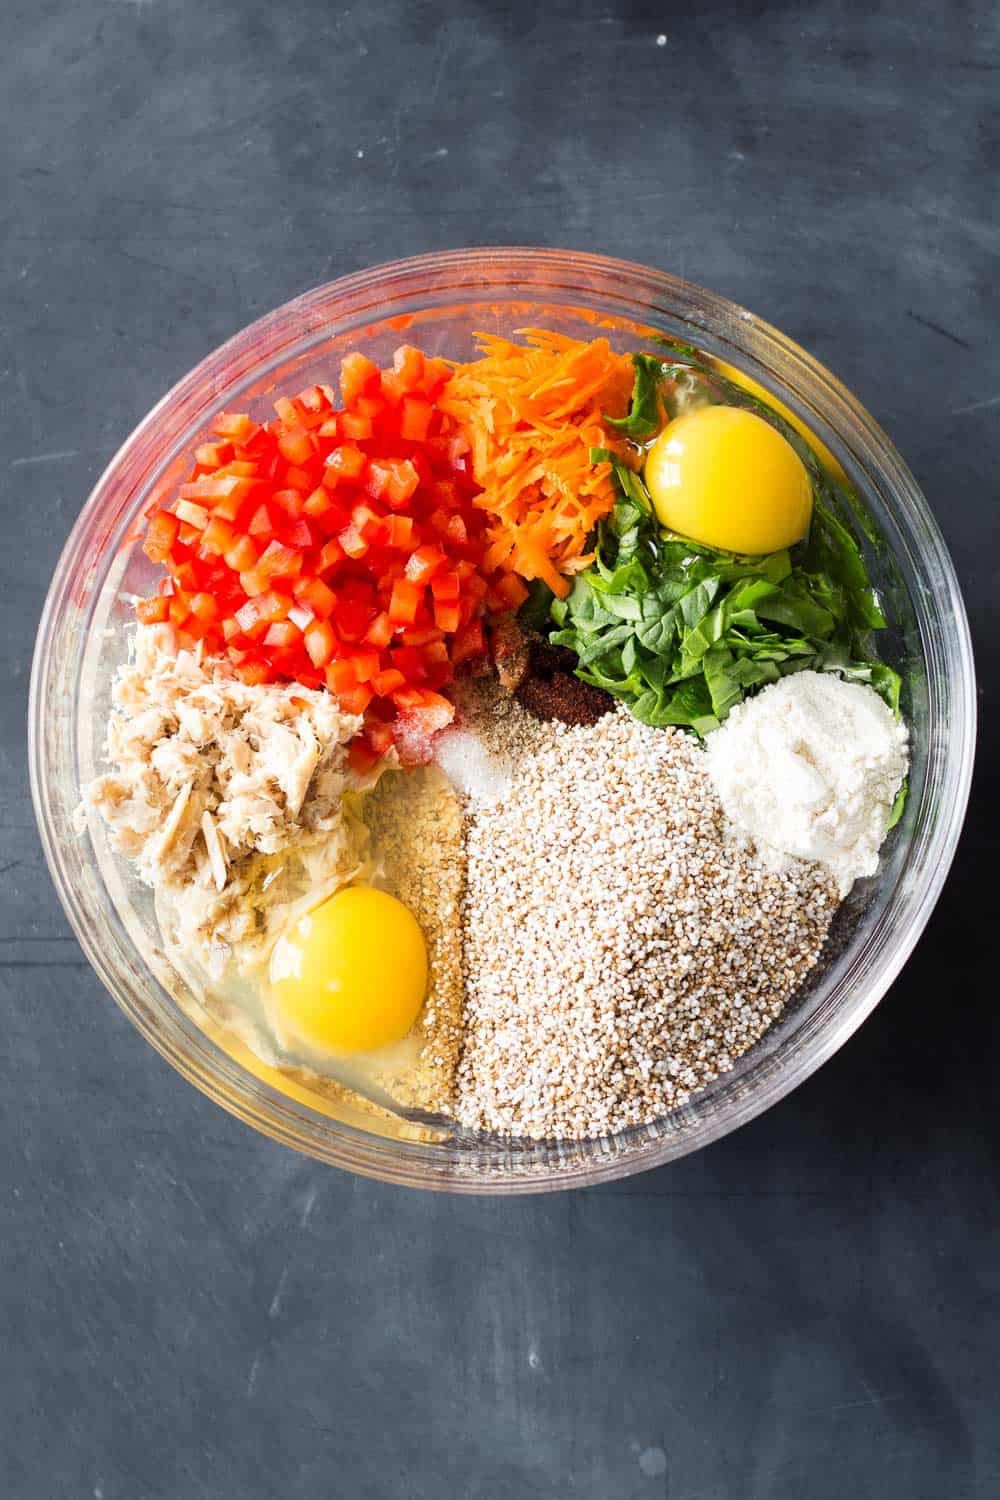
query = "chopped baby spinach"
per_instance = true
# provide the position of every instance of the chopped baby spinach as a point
(682, 632)
(644, 414)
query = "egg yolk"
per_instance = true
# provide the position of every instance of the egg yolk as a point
(822, 452)
(351, 975)
(725, 477)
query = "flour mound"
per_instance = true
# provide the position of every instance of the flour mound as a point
(809, 769)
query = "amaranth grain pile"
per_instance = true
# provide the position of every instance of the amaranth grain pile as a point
(618, 953)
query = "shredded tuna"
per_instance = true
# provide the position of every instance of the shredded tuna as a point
(229, 798)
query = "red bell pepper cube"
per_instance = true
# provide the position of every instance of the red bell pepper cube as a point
(446, 587)
(319, 641)
(408, 366)
(315, 596)
(357, 375)
(380, 631)
(282, 634)
(512, 590)
(406, 599)
(422, 564)
(356, 699)
(296, 446)
(388, 681)
(331, 553)
(401, 534)
(355, 426)
(242, 554)
(235, 425)
(352, 542)
(155, 611)
(415, 417)
(347, 461)
(447, 615)
(161, 533)
(352, 618)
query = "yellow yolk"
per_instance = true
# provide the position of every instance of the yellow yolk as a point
(725, 477)
(351, 975)
(821, 451)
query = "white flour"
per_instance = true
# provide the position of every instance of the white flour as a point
(809, 769)
(470, 765)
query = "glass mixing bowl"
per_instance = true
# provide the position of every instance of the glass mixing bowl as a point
(439, 301)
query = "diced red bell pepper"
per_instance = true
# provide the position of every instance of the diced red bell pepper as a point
(401, 532)
(368, 522)
(288, 502)
(357, 699)
(422, 564)
(380, 631)
(412, 700)
(298, 536)
(436, 372)
(161, 533)
(331, 553)
(358, 374)
(388, 681)
(512, 590)
(409, 661)
(253, 672)
(447, 615)
(393, 389)
(403, 482)
(187, 512)
(366, 665)
(355, 426)
(319, 641)
(213, 455)
(205, 607)
(351, 618)
(446, 586)
(279, 561)
(415, 417)
(316, 597)
(296, 446)
(282, 634)
(251, 621)
(408, 366)
(242, 554)
(155, 611)
(352, 542)
(317, 503)
(406, 599)
(235, 425)
(218, 536)
(340, 675)
(347, 461)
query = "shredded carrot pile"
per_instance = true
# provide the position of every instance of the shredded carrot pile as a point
(531, 413)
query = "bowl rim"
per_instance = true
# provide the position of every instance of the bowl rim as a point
(478, 270)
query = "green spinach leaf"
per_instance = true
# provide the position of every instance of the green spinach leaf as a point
(644, 413)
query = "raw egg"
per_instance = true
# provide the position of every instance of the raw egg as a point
(351, 975)
(725, 477)
(822, 452)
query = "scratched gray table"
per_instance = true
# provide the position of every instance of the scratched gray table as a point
(807, 1311)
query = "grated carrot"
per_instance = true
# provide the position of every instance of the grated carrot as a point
(531, 413)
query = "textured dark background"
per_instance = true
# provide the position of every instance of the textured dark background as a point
(808, 1310)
